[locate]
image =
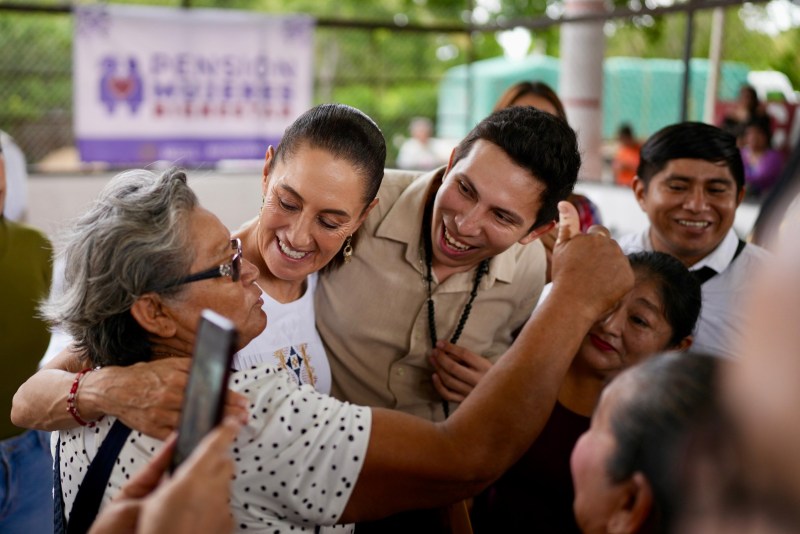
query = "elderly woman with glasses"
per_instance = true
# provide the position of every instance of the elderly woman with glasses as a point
(147, 259)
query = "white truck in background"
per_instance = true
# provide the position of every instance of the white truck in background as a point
(772, 85)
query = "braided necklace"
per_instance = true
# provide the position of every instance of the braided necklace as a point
(483, 268)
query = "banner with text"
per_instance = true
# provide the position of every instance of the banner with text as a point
(187, 86)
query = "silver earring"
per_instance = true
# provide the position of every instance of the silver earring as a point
(260, 209)
(348, 249)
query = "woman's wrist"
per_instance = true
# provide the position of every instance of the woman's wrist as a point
(93, 394)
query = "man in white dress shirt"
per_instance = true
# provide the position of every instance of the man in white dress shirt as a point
(690, 181)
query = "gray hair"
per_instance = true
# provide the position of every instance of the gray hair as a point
(134, 238)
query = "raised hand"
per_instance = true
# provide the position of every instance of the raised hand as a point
(590, 266)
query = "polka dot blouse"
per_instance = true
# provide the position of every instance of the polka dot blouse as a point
(296, 462)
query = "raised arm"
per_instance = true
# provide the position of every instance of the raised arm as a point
(412, 463)
(145, 396)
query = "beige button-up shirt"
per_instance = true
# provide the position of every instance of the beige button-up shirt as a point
(372, 313)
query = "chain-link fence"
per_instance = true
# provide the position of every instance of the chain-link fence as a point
(406, 64)
(36, 81)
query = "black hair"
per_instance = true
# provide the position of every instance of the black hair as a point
(346, 133)
(691, 140)
(625, 129)
(752, 107)
(678, 288)
(652, 423)
(539, 142)
(761, 123)
(521, 89)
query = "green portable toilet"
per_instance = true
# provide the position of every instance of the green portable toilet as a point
(646, 93)
(485, 80)
(623, 97)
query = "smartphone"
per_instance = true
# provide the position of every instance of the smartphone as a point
(204, 398)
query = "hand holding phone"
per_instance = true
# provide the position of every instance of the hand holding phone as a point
(204, 400)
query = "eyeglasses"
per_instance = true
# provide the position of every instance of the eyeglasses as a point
(232, 269)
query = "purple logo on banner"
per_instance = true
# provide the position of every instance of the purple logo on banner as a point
(116, 87)
(195, 90)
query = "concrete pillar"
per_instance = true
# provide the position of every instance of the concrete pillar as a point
(581, 81)
(714, 61)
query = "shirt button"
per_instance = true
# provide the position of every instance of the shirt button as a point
(400, 371)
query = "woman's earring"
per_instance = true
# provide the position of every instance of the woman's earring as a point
(348, 249)
(260, 209)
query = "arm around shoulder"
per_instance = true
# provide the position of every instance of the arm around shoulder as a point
(146, 396)
(41, 401)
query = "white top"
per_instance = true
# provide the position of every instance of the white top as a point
(16, 179)
(722, 316)
(418, 156)
(297, 460)
(290, 340)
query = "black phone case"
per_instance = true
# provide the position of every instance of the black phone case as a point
(204, 399)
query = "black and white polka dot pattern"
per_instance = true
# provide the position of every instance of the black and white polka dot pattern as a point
(297, 460)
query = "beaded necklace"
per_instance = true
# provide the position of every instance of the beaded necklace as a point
(483, 268)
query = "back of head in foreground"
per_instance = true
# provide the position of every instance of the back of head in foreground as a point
(762, 393)
(133, 239)
(624, 467)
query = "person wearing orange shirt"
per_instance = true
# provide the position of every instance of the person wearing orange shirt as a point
(626, 160)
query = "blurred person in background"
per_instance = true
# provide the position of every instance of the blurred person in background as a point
(690, 181)
(626, 158)
(746, 109)
(16, 200)
(762, 163)
(535, 94)
(419, 152)
(26, 467)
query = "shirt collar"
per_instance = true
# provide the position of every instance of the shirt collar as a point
(722, 256)
(403, 223)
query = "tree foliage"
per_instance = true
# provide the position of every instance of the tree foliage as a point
(391, 75)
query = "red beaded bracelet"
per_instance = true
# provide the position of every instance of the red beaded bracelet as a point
(72, 399)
